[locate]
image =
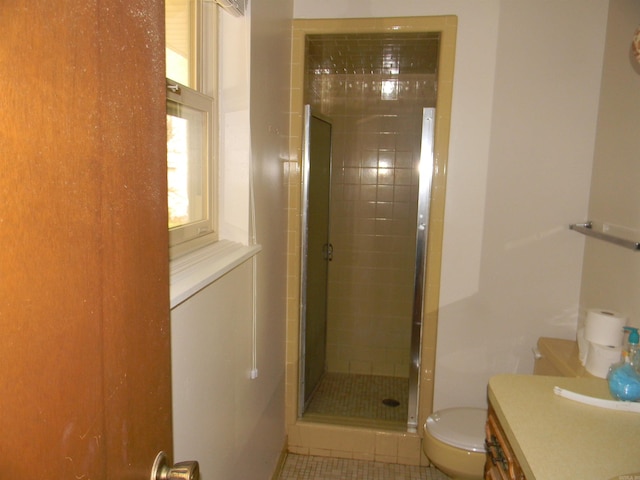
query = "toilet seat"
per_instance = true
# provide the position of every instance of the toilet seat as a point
(459, 427)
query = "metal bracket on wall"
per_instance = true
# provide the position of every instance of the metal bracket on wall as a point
(587, 229)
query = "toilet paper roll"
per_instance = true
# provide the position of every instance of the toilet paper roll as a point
(604, 327)
(600, 358)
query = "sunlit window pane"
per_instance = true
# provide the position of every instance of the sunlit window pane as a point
(186, 164)
(180, 40)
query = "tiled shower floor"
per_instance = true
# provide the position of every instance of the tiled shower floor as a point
(349, 397)
(302, 467)
(360, 397)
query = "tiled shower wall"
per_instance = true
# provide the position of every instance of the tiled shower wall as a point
(376, 151)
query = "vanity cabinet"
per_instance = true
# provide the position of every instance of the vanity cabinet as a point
(501, 463)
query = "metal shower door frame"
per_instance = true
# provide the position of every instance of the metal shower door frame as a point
(426, 167)
(422, 240)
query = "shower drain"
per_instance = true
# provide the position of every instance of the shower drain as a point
(390, 402)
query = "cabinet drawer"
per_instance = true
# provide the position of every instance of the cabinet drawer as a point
(501, 463)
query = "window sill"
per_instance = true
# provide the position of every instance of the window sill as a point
(194, 271)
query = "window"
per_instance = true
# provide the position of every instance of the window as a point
(191, 168)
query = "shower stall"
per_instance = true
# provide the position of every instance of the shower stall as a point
(366, 189)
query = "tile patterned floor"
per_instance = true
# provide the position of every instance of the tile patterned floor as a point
(361, 396)
(301, 467)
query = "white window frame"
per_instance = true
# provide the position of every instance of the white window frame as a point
(192, 236)
(194, 269)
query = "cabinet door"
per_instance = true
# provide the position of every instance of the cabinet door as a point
(502, 463)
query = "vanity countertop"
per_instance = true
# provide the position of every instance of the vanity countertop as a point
(555, 438)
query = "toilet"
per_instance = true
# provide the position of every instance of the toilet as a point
(454, 442)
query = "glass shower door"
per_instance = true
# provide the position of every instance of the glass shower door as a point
(317, 252)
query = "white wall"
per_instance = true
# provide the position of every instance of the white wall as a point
(548, 70)
(546, 87)
(232, 424)
(234, 140)
(525, 101)
(211, 359)
(611, 274)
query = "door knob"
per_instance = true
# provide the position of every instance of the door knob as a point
(180, 471)
(327, 251)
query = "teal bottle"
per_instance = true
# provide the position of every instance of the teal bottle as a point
(624, 377)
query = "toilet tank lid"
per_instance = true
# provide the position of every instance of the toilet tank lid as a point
(459, 427)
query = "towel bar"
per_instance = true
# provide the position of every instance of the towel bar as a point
(587, 229)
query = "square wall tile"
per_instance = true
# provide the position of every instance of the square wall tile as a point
(386, 444)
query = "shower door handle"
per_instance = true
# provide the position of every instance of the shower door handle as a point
(327, 251)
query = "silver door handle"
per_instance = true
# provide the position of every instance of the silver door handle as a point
(180, 471)
(327, 251)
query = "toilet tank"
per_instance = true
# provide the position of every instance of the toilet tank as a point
(557, 357)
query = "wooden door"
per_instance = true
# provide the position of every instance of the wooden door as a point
(84, 302)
